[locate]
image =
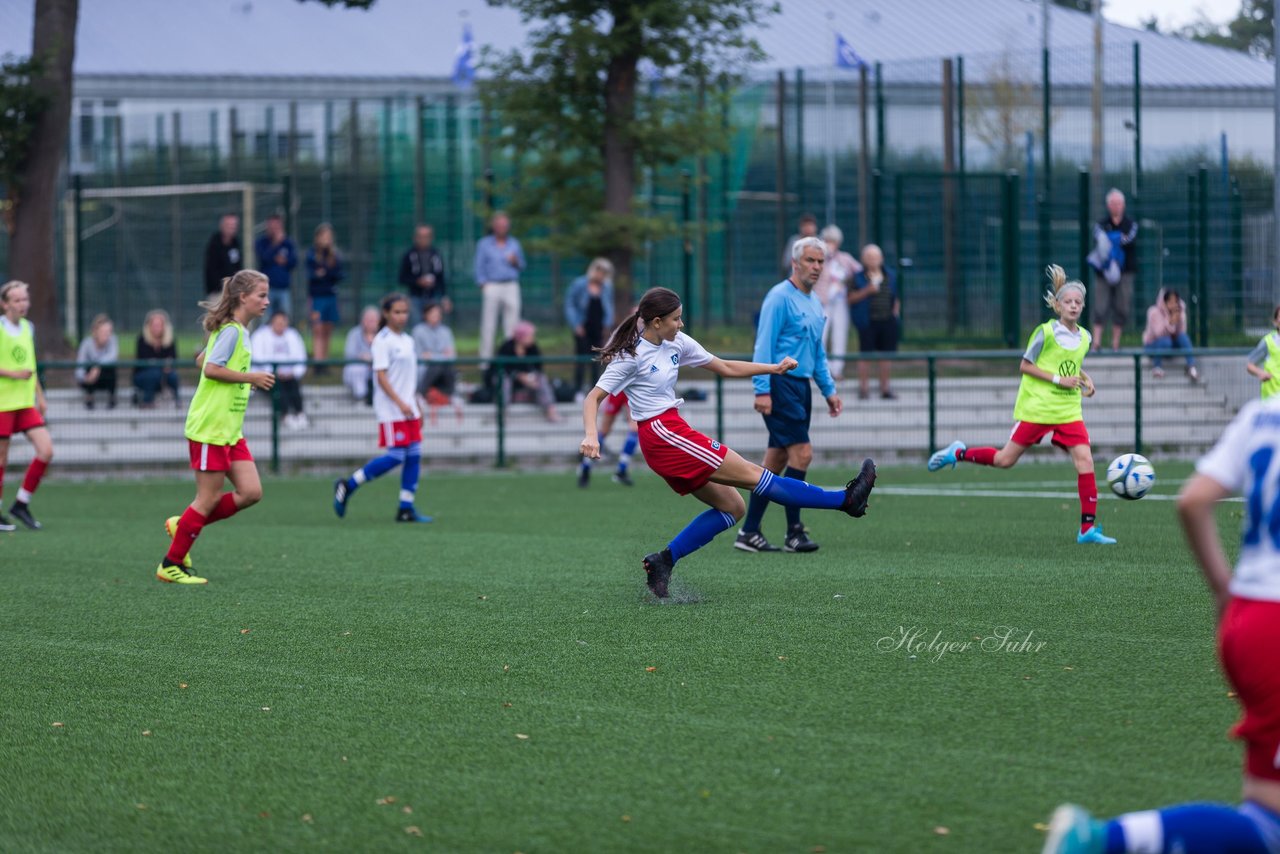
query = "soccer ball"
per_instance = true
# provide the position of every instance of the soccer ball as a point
(1131, 476)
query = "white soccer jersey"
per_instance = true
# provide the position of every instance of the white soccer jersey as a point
(395, 354)
(1247, 460)
(649, 377)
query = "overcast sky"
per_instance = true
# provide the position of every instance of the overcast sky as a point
(1171, 13)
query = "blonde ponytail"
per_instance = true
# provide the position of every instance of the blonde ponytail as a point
(1058, 281)
(218, 312)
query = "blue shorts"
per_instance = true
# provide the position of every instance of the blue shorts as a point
(326, 307)
(788, 422)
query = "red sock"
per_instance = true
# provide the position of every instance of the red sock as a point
(1087, 486)
(225, 509)
(35, 471)
(189, 527)
(980, 456)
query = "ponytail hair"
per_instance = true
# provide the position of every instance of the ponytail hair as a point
(656, 302)
(1058, 279)
(384, 306)
(218, 312)
(11, 286)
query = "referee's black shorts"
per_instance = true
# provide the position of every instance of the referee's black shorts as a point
(788, 422)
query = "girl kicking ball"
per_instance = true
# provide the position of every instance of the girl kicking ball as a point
(643, 358)
(22, 403)
(1053, 381)
(215, 422)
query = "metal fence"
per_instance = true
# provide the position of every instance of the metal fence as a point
(919, 156)
(938, 397)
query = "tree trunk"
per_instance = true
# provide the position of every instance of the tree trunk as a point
(31, 247)
(620, 153)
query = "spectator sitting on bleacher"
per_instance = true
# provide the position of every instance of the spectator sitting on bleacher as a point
(524, 381)
(357, 374)
(277, 347)
(96, 361)
(1167, 330)
(433, 341)
(155, 343)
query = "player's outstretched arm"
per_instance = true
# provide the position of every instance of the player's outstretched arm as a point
(734, 369)
(590, 447)
(1195, 509)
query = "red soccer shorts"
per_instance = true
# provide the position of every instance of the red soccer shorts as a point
(19, 421)
(217, 457)
(685, 458)
(613, 403)
(1247, 642)
(1064, 435)
(399, 434)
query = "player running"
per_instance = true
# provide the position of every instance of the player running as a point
(215, 422)
(1264, 359)
(643, 358)
(1053, 380)
(1246, 461)
(395, 405)
(22, 403)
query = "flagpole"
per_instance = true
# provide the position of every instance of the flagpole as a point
(832, 136)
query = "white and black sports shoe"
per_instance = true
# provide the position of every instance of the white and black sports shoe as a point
(754, 541)
(5, 525)
(798, 540)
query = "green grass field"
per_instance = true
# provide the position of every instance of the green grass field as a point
(500, 681)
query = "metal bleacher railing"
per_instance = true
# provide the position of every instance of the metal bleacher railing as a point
(939, 396)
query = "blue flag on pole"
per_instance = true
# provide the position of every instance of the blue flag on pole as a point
(464, 63)
(846, 56)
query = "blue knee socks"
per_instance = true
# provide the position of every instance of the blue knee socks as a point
(793, 512)
(1202, 828)
(409, 475)
(376, 467)
(699, 532)
(797, 493)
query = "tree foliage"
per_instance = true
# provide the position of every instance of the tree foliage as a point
(572, 109)
(1251, 31)
(20, 105)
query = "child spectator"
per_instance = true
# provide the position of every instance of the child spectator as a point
(96, 361)
(278, 349)
(155, 343)
(1167, 330)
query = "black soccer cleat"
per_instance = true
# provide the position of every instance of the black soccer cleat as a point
(753, 541)
(621, 477)
(858, 490)
(658, 568)
(798, 540)
(584, 477)
(340, 495)
(23, 514)
(6, 525)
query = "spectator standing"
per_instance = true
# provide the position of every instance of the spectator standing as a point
(806, 226)
(223, 257)
(277, 348)
(1111, 300)
(1167, 330)
(277, 256)
(833, 290)
(324, 272)
(499, 262)
(791, 324)
(357, 373)
(588, 308)
(422, 273)
(96, 361)
(155, 343)
(433, 342)
(874, 308)
(526, 379)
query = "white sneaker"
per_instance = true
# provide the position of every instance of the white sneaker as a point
(1193, 374)
(1157, 373)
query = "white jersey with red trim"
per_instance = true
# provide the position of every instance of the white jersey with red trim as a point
(394, 353)
(649, 377)
(1246, 460)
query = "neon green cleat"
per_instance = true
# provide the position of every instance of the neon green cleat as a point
(178, 575)
(171, 528)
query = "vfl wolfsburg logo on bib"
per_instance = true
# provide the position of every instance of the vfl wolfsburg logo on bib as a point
(1068, 368)
(20, 354)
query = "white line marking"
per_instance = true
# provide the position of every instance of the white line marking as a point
(958, 492)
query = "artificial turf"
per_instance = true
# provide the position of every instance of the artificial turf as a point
(500, 681)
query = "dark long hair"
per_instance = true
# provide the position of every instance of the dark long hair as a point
(384, 306)
(656, 302)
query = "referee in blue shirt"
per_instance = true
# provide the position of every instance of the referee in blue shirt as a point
(791, 321)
